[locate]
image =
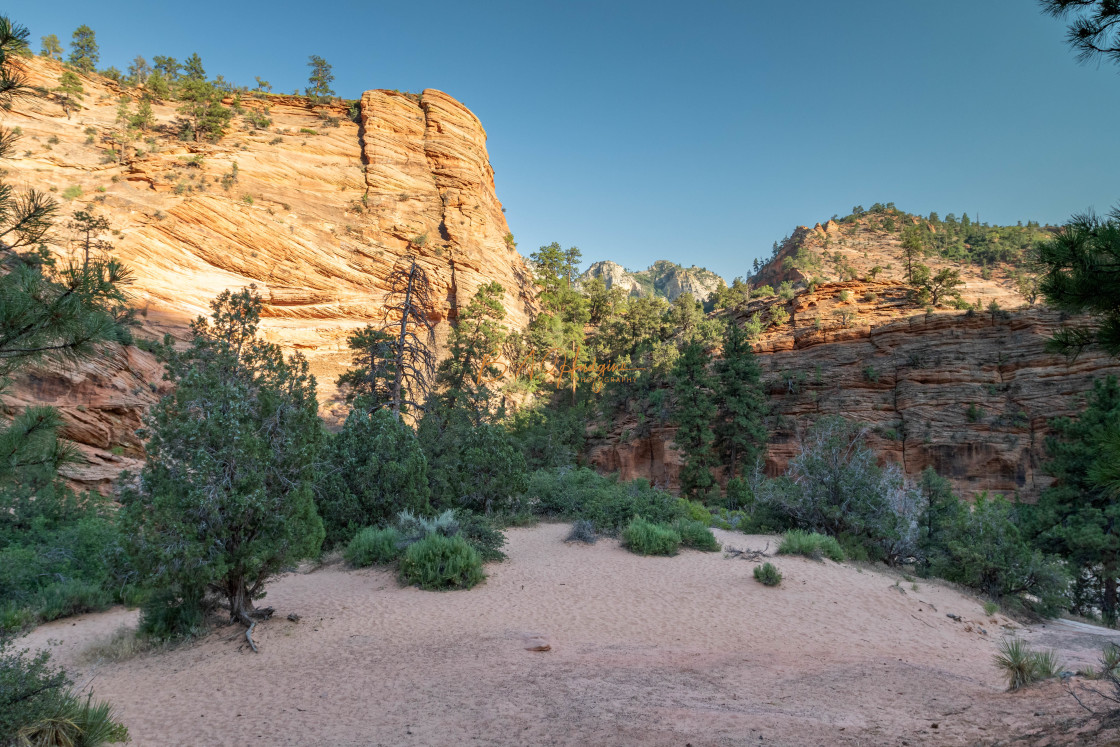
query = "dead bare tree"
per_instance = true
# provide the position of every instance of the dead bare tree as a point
(410, 297)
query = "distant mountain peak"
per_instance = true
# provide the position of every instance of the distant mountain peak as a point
(663, 278)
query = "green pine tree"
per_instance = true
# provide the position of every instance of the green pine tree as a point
(1079, 517)
(193, 70)
(1082, 275)
(369, 382)
(694, 411)
(741, 429)
(70, 91)
(468, 374)
(206, 118)
(225, 501)
(83, 49)
(319, 81)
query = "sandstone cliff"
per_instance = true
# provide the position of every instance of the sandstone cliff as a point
(315, 210)
(968, 393)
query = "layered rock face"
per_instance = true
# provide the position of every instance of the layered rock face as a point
(315, 210)
(970, 394)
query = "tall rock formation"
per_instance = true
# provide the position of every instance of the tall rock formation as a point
(315, 210)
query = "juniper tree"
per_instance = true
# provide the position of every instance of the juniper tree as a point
(225, 500)
(694, 411)
(83, 49)
(371, 470)
(319, 81)
(740, 431)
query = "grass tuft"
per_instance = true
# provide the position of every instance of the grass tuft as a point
(373, 546)
(1022, 665)
(811, 545)
(646, 538)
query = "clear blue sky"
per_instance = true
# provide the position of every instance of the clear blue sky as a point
(697, 132)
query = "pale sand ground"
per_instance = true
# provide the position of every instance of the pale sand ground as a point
(673, 651)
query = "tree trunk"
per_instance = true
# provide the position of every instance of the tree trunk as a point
(405, 312)
(240, 605)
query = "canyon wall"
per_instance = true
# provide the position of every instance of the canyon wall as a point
(969, 393)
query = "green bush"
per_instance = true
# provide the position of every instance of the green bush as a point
(1022, 666)
(695, 511)
(483, 534)
(58, 556)
(646, 538)
(373, 546)
(984, 548)
(374, 469)
(811, 545)
(437, 562)
(167, 616)
(767, 574)
(582, 493)
(37, 705)
(480, 467)
(697, 535)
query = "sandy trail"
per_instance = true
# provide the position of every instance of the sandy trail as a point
(689, 649)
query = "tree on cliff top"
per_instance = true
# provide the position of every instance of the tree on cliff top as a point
(83, 49)
(320, 78)
(51, 47)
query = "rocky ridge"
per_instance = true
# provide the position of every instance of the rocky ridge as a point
(663, 278)
(968, 393)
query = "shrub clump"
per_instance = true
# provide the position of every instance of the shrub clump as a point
(582, 531)
(696, 534)
(811, 545)
(609, 505)
(38, 706)
(767, 574)
(1022, 665)
(373, 546)
(438, 562)
(646, 538)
